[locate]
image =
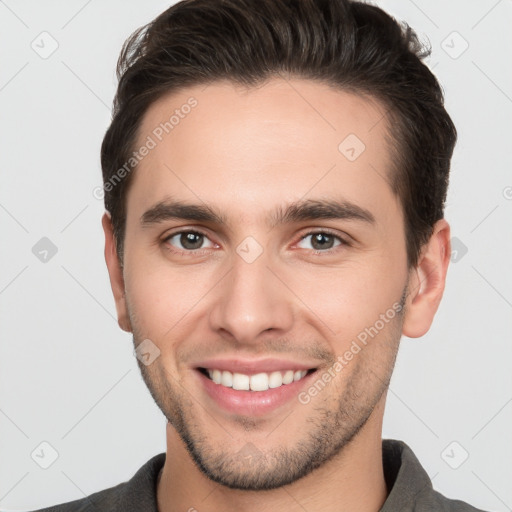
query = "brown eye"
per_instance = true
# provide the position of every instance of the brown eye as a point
(187, 240)
(320, 241)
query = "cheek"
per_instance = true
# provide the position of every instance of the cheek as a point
(163, 301)
(346, 300)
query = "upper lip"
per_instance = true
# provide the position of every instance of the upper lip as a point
(252, 366)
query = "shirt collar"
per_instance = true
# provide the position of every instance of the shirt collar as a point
(405, 477)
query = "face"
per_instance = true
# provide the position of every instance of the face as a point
(264, 249)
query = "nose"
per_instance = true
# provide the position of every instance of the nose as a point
(251, 300)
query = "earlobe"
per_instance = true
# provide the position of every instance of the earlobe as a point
(115, 273)
(427, 281)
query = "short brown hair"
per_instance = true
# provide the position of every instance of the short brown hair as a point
(347, 44)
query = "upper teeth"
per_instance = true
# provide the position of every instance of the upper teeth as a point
(258, 382)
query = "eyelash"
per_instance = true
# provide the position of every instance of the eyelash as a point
(192, 252)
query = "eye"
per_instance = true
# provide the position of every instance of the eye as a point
(188, 241)
(321, 241)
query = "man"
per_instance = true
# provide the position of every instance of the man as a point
(275, 176)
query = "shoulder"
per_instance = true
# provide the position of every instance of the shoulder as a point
(410, 488)
(108, 499)
(433, 500)
(137, 494)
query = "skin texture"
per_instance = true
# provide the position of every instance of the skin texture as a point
(245, 152)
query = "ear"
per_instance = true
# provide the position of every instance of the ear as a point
(115, 273)
(426, 282)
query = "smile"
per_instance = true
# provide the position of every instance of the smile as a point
(258, 382)
(250, 388)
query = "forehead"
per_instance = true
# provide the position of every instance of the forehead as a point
(241, 149)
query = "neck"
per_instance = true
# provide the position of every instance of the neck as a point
(353, 480)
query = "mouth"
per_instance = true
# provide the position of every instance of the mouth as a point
(258, 382)
(251, 391)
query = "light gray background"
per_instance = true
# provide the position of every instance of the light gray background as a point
(67, 372)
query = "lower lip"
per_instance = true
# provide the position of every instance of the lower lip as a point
(253, 403)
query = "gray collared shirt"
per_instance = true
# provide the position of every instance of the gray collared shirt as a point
(410, 488)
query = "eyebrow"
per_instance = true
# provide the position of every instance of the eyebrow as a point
(302, 210)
